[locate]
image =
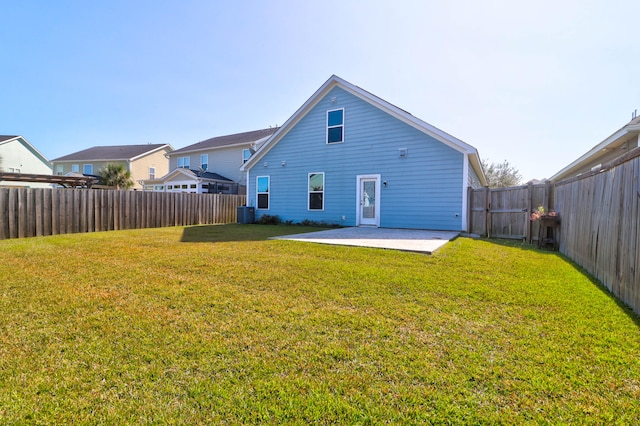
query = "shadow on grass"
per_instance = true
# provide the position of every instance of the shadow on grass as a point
(531, 247)
(237, 232)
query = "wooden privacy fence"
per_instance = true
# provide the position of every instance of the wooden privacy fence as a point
(504, 212)
(600, 225)
(30, 212)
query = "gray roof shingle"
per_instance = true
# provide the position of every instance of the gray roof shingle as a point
(6, 137)
(234, 139)
(110, 153)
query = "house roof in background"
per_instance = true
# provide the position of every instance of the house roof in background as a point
(222, 141)
(4, 138)
(603, 149)
(113, 153)
(394, 111)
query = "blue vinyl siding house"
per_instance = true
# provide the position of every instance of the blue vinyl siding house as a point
(347, 157)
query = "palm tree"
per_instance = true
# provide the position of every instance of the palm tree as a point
(116, 175)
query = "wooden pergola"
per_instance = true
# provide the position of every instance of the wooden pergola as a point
(64, 181)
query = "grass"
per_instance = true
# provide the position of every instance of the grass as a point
(216, 325)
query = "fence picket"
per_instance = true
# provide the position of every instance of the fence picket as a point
(28, 212)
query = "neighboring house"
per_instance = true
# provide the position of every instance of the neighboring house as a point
(616, 145)
(185, 180)
(347, 157)
(212, 165)
(17, 155)
(143, 161)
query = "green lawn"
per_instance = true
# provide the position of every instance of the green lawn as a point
(215, 325)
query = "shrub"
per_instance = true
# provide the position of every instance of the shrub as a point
(267, 219)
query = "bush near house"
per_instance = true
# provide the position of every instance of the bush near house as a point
(215, 324)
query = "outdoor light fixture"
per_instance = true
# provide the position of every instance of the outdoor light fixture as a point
(266, 164)
(283, 163)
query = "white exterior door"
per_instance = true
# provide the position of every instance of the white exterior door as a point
(368, 200)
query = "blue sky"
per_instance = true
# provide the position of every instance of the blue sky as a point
(534, 83)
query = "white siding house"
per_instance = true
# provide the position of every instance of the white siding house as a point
(17, 155)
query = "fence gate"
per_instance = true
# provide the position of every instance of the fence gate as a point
(504, 212)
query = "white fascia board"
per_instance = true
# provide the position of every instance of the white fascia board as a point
(177, 171)
(292, 121)
(589, 155)
(404, 116)
(394, 111)
(137, 157)
(30, 147)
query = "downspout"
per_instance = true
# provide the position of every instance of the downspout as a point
(465, 192)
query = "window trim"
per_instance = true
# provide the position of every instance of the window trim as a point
(268, 192)
(204, 165)
(341, 125)
(244, 160)
(152, 173)
(184, 166)
(309, 191)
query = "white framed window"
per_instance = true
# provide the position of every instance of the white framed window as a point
(204, 161)
(316, 191)
(87, 169)
(262, 192)
(59, 169)
(246, 154)
(75, 168)
(335, 126)
(184, 162)
(152, 172)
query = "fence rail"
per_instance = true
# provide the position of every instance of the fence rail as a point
(30, 212)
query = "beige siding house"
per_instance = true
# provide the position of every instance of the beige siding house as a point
(143, 161)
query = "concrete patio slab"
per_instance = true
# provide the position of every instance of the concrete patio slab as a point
(417, 240)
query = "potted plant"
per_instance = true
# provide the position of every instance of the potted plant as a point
(542, 214)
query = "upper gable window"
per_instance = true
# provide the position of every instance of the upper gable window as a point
(184, 163)
(335, 126)
(246, 154)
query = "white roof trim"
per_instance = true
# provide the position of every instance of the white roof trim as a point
(335, 81)
(35, 150)
(569, 170)
(144, 154)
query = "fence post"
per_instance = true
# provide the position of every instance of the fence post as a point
(529, 226)
(487, 206)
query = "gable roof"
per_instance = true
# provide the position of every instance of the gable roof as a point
(228, 140)
(114, 153)
(192, 174)
(400, 114)
(4, 138)
(602, 150)
(7, 138)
